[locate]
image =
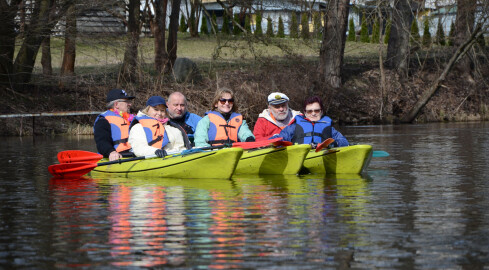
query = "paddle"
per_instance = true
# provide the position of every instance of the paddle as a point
(380, 154)
(324, 144)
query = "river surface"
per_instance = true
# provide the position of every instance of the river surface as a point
(423, 207)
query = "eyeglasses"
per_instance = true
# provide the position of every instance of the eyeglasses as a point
(223, 100)
(125, 100)
(313, 111)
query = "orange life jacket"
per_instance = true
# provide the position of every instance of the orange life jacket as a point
(221, 131)
(119, 128)
(154, 130)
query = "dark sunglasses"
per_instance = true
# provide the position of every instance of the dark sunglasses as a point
(313, 111)
(223, 100)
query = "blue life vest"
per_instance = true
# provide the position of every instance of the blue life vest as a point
(307, 132)
(154, 130)
(222, 131)
(119, 129)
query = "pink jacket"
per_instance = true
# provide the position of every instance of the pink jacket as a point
(266, 126)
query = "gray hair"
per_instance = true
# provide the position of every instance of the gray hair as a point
(111, 104)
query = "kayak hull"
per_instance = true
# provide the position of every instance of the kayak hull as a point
(341, 160)
(271, 160)
(209, 164)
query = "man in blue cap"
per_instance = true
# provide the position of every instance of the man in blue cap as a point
(111, 128)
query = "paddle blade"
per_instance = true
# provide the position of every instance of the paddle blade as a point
(324, 144)
(71, 170)
(257, 144)
(71, 156)
(380, 154)
(281, 143)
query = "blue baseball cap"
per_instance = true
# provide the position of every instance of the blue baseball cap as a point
(155, 101)
(115, 94)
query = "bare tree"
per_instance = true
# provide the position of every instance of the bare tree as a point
(129, 66)
(69, 55)
(172, 35)
(398, 48)
(464, 26)
(161, 55)
(8, 10)
(334, 38)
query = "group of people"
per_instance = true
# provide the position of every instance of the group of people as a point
(167, 126)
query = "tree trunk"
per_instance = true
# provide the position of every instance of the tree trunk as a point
(129, 66)
(172, 33)
(464, 25)
(37, 31)
(69, 55)
(47, 68)
(398, 48)
(161, 56)
(7, 42)
(334, 38)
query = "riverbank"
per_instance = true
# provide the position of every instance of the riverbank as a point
(359, 101)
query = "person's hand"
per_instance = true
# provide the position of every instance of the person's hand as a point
(250, 139)
(114, 155)
(160, 153)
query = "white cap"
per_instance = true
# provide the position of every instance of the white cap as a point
(277, 98)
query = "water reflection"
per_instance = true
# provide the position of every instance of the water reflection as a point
(214, 223)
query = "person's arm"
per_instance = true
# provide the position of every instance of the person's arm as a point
(260, 129)
(175, 140)
(103, 138)
(339, 139)
(287, 133)
(201, 136)
(139, 143)
(244, 133)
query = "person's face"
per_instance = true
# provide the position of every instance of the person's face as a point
(225, 103)
(279, 111)
(176, 106)
(157, 112)
(313, 111)
(123, 105)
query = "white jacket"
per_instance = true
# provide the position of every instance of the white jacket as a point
(139, 144)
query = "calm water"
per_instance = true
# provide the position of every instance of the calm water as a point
(424, 207)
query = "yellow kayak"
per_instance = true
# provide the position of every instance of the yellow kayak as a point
(341, 160)
(271, 160)
(209, 164)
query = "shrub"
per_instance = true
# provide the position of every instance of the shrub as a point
(316, 17)
(183, 24)
(236, 30)
(376, 32)
(440, 34)
(225, 25)
(247, 23)
(451, 35)
(426, 34)
(293, 33)
(351, 31)
(414, 36)
(387, 33)
(258, 28)
(269, 27)
(281, 28)
(364, 31)
(304, 26)
(203, 26)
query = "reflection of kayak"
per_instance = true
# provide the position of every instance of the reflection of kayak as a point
(211, 164)
(349, 159)
(282, 160)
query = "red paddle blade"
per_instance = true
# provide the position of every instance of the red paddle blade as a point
(257, 144)
(70, 170)
(70, 156)
(324, 144)
(282, 143)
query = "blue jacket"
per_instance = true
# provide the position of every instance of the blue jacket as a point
(290, 133)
